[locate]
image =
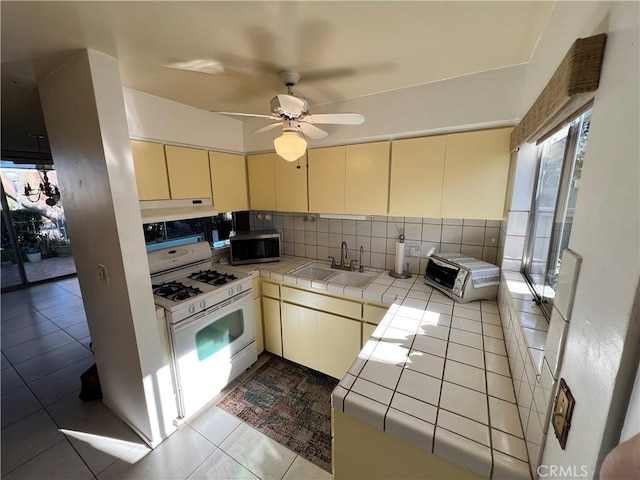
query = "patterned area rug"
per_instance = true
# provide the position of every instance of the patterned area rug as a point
(290, 404)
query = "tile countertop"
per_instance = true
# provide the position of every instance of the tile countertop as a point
(434, 373)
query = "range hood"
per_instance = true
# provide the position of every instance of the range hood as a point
(165, 210)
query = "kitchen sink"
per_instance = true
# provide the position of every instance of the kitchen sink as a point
(317, 272)
(352, 279)
(322, 272)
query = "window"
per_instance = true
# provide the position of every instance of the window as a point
(556, 190)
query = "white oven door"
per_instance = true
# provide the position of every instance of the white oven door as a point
(211, 349)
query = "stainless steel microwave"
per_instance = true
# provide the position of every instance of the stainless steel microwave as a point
(255, 246)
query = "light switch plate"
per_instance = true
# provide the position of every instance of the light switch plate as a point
(562, 412)
(103, 273)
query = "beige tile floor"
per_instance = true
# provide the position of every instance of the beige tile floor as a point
(45, 269)
(49, 433)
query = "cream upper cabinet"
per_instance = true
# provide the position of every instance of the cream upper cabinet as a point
(367, 178)
(327, 168)
(338, 344)
(291, 185)
(417, 170)
(262, 183)
(475, 174)
(229, 181)
(151, 170)
(188, 172)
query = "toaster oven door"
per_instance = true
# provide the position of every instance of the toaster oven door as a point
(442, 273)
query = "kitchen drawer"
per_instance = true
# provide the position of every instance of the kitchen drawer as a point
(322, 302)
(373, 314)
(270, 290)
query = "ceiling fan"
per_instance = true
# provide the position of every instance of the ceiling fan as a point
(292, 113)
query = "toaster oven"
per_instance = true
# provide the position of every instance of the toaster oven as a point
(462, 278)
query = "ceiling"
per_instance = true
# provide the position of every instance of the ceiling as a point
(343, 50)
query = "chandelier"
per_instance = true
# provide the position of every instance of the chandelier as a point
(45, 187)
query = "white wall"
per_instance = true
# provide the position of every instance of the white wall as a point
(632, 420)
(482, 100)
(158, 119)
(84, 111)
(602, 338)
(568, 22)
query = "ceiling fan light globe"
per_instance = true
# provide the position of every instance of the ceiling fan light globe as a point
(290, 146)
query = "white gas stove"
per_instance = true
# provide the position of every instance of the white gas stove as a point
(185, 281)
(209, 318)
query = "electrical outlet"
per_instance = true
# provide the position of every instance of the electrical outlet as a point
(103, 274)
(414, 251)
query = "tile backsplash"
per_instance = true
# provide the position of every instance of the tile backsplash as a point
(308, 235)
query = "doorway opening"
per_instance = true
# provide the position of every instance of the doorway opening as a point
(35, 245)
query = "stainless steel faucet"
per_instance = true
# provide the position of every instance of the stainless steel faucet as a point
(344, 253)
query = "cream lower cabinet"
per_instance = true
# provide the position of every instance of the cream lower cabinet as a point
(360, 451)
(319, 340)
(257, 308)
(271, 323)
(320, 331)
(367, 331)
(371, 316)
(338, 343)
(300, 335)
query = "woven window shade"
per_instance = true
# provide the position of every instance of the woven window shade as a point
(570, 89)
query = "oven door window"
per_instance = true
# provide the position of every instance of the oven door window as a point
(219, 334)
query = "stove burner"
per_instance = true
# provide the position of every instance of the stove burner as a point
(213, 277)
(175, 291)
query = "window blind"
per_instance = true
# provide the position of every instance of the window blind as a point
(570, 90)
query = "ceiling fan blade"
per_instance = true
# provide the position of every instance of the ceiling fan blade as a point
(256, 115)
(327, 74)
(267, 127)
(312, 131)
(335, 118)
(211, 67)
(292, 106)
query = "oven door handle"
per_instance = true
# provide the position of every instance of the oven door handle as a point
(187, 322)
